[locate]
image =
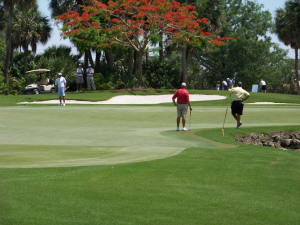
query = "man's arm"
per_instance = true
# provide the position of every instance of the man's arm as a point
(247, 96)
(189, 103)
(173, 99)
(79, 71)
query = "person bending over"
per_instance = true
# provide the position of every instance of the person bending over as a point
(183, 99)
(239, 95)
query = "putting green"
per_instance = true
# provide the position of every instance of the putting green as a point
(50, 136)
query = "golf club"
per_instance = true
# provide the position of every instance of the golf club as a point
(190, 120)
(226, 113)
(229, 99)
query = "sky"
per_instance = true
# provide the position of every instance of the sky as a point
(270, 5)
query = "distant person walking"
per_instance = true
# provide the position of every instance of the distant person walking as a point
(90, 78)
(263, 86)
(239, 95)
(183, 100)
(60, 87)
(224, 85)
(79, 79)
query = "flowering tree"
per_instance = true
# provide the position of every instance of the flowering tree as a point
(136, 24)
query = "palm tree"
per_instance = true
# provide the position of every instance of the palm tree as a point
(287, 28)
(30, 28)
(59, 7)
(2, 17)
(9, 6)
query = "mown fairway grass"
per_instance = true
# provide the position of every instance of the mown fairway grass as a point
(127, 165)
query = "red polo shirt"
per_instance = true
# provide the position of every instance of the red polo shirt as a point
(182, 96)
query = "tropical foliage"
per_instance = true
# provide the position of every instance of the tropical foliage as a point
(29, 29)
(136, 24)
(155, 45)
(250, 54)
(9, 6)
(287, 28)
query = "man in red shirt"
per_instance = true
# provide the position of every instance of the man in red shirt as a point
(183, 99)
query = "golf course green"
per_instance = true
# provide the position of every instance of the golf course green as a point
(127, 164)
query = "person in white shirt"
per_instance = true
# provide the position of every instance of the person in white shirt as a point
(79, 79)
(224, 85)
(218, 86)
(263, 86)
(229, 81)
(60, 87)
(90, 78)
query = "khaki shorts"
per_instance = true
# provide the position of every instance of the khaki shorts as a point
(182, 110)
(79, 80)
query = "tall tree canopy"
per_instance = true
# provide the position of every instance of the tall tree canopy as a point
(287, 28)
(251, 50)
(136, 24)
(9, 6)
(29, 29)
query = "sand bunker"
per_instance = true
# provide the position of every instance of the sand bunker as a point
(134, 99)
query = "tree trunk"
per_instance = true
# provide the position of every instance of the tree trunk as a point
(85, 66)
(296, 70)
(109, 60)
(186, 52)
(130, 62)
(136, 59)
(97, 59)
(184, 64)
(86, 59)
(90, 58)
(147, 55)
(168, 51)
(25, 59)
(8, 48)
(161, 49)
(140, 63)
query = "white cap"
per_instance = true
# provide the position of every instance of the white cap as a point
(59, 74)
(183, 84)
(90, 65)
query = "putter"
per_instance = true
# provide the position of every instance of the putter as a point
(190, 120)
(226, 113)
(233, 81)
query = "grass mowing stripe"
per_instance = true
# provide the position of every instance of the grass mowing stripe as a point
(206, 186)
(59, 139)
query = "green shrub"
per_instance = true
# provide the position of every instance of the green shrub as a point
(119, 84)
(98, 79)
(2, 83)
(106, 86)
(161, 74)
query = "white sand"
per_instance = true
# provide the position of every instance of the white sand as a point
(145, 99)
(134, 99)
(270, 103)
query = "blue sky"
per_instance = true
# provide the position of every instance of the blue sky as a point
(270, 5)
